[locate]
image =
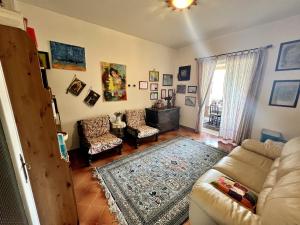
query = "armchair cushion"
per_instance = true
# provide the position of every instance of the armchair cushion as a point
(146, 131)
(95, 127)
(103, 142)
(135, 117)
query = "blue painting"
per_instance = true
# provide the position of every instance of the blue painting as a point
(289, 56)
(67, 57)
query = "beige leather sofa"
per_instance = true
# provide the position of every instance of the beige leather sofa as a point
(273, 172)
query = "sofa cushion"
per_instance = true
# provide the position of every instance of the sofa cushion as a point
(242, 172)
(251, 158)
(95, 127)
(272, 176)
(135, 117)
(283, 202)
(291, 147)
(103, 142)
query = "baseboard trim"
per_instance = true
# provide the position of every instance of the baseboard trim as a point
(188, 128)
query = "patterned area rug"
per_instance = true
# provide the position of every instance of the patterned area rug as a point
(152, 187)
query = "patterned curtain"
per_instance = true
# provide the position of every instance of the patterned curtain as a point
(241, 85)
(205, 72)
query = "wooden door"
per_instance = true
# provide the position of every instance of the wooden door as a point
(49, 175)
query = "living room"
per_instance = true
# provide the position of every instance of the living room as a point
(106, 103)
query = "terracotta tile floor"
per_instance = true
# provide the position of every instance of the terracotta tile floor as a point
(91, 202)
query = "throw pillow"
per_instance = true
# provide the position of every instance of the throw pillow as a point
(236, 191)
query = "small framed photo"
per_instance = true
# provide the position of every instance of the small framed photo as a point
(153, 76)
(289, 56)
(192, 89)
(153, 95)
(153, 86)
(181, 89)
(76, 87)
(44, 60)
(184, 73)
(91, 98)
(190, 101)
(167, 80)
(143, 85)
(163, 93)
(285, 93)
(170, 92)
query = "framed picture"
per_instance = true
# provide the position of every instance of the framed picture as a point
(184, 73)
(181, 89)
(167, 80)
(44, 60)
(143, 85)
(289, 56)
(285, 93)
(153, 95)
(170, 92)
(190, 101)
(192, 89)
(153, 86)
(91, 98)
(67, 57)
(76, 86)
(163, 93)
(113, 82)
(153, 76)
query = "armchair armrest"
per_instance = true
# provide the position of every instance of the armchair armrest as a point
(132, 131)
(221, 208)
(270, 149)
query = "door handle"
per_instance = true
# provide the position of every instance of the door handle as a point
(24, 166)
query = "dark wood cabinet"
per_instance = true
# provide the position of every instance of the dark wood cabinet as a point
(163, 119)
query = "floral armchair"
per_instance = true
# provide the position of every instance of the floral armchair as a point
(95, 136)
(137, 128)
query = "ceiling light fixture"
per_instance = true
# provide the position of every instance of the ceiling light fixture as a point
(181, 4)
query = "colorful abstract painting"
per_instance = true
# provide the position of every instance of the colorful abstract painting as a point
(67, 57)
(113, 81)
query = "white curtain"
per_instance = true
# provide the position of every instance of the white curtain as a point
(205, 72)
(240, 69)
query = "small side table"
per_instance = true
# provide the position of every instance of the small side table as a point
(118, 129)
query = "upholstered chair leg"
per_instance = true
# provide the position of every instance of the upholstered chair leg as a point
(137, 143)
(120, 149)
(156, 137)
(90, 160)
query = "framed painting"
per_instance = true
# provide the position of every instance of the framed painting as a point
(163, 93)
(289, 56)
(154, 87)
(167, 80)
(143, 85)
(114, 82)
(170, 92)
(153, 76)
(91, 98)
(285, 93)
(44, 60)
(153, 95)
(190, 101)
(67, 57)
(76, 87)
(184, 73)
(192, 89)
(181, 89)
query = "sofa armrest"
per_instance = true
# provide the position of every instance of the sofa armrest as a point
(270, 149)
(221, 208)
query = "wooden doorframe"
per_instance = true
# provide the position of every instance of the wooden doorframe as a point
(15, 150)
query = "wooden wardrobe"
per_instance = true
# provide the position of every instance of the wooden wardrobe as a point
(49, 175)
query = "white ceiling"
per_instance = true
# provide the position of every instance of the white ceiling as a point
(152, 20)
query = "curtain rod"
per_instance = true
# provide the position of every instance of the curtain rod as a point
(268, 46)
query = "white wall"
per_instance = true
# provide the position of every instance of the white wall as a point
(286, 120)
(101, 44)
